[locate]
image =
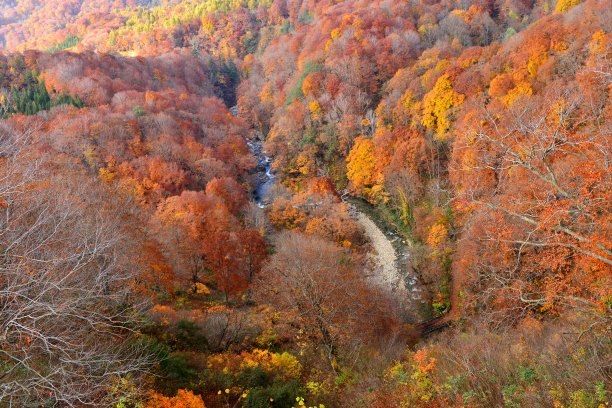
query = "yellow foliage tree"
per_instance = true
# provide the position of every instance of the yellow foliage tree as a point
(564, 5)
(361, 166)
(535, 62)
(522, 89)
(414, 379)
(282, 365)
(267, 93)
(438, 105)
(598, 42)
(107, 174)
(437, 235)
(315, 110)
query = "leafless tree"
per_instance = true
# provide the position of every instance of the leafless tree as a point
(223, 328)
(67, 314)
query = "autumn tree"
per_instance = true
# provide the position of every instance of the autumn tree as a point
(227, 189)
(182, 399)
(438, 106)
(203, 236)
(68, 287)
(362, 169)
(564, 5)
(546, 239)
(318, 280)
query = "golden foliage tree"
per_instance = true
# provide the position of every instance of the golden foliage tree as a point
(438, 105)
(362, 169)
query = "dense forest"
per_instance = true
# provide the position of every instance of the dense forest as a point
(319, 203)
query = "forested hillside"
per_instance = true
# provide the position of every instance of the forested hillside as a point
(283, 203)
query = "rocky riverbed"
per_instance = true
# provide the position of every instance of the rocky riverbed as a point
(391, 265)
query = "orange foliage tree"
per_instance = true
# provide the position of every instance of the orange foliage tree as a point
(182, 399)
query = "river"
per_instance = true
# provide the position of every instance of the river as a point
(264, 178)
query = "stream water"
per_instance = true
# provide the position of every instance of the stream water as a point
(264, 178)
